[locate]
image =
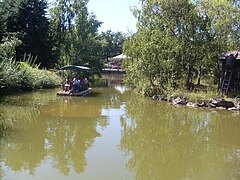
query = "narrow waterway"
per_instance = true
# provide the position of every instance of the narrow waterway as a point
(113, 134)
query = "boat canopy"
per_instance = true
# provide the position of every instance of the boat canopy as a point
(74, 67)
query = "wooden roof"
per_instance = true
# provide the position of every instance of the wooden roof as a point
(226, 54)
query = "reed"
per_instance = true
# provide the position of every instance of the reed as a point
(22, 76)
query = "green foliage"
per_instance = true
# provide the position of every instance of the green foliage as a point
(8, 48)
(112, 43)
(2, 21)
(27, 20)
(75, 34)
(34, 78)
(19, 76)
(69, 35)
(177, 38)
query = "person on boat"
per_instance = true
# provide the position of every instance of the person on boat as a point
(67, 86)
(86, 83)
(75, 86)
(82, 84)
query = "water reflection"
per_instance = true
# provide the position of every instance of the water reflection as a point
(67, 143)
(179, 143)
(110, 80)
(14, 110)
(60, 132)
(120, 133)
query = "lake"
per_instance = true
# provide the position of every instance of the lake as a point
(115, 134)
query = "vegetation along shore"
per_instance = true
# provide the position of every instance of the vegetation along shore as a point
(183, 46)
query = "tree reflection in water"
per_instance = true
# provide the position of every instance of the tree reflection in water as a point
(61, 132)
(180, 143)
(161, 141)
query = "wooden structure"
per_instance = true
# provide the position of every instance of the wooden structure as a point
(115, 62)
(230, 77)
(82, 93)
(113, 71)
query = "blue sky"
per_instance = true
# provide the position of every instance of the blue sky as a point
(115, 14)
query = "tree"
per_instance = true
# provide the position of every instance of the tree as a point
(223, 28)
(75, 34)
(112, 43)
(86, 44)
(165, 41)
(27, 19)
(2, 21)
(62, 27)
(176, 37)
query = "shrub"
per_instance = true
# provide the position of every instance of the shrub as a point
(21, 76)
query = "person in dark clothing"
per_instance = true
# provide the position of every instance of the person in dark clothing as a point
(230, 61)
(75, 86)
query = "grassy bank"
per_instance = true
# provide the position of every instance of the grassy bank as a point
(22, 76)
(198, 93)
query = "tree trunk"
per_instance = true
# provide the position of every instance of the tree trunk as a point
(189, 78)
(199, 75)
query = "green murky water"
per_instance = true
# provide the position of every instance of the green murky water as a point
(113, 134)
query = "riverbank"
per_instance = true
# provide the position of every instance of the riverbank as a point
(201, 100)
(22, 76)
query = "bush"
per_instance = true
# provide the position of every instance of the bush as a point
(21, 76)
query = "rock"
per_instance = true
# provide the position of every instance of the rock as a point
(221, 103)
(238, 104)
(217, 102)
(229, 104)
(201, 104)
(190, 104)
(155, 97)
(158, 98)
(221, 108)
(172, 97)
(212, 105)
(164, 98)
(234, 108)
(176, 100)
(179, 100)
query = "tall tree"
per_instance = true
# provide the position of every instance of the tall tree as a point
(75, 33)
(62, 28)
(27, 19)
(86, 43)
(2, 21)
(223, 29)
(175, 37)
(165, 41)
(112, 43)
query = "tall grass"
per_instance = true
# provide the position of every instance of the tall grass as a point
(22, 76)
(25, 75)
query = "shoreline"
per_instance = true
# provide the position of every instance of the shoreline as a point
(212, 103)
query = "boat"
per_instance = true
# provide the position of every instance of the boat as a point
(67, 92)
(82, 93)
